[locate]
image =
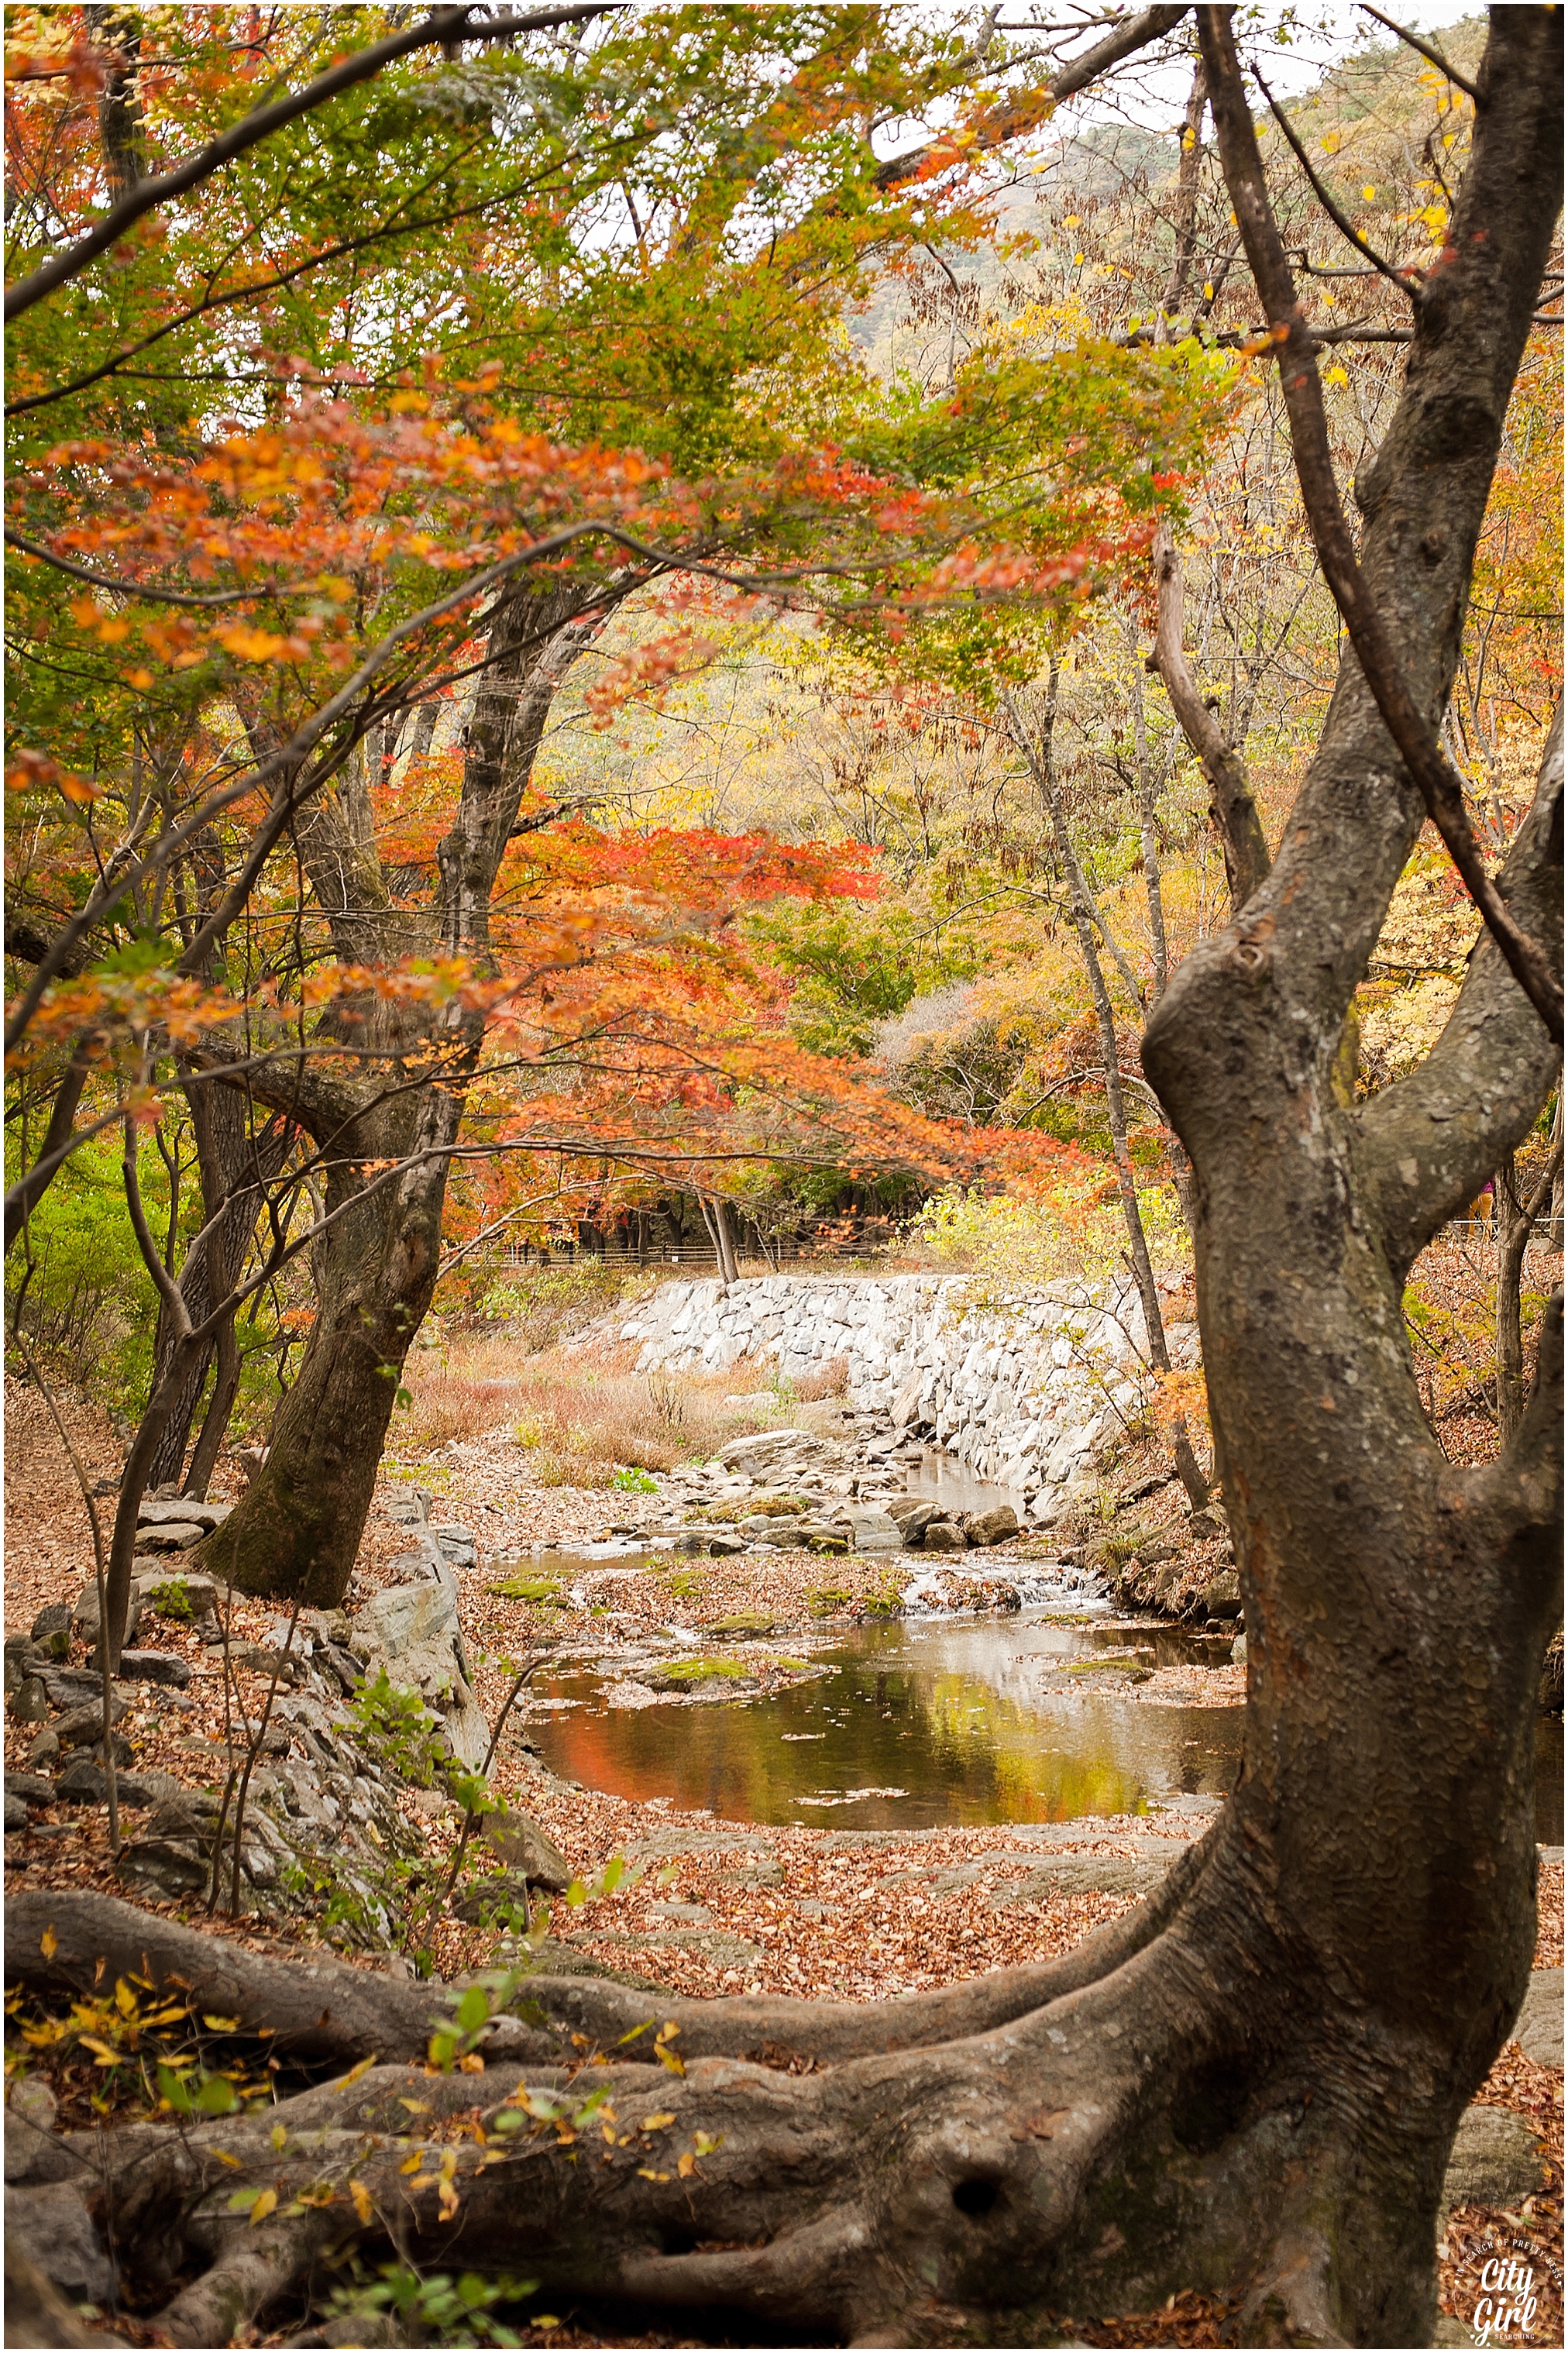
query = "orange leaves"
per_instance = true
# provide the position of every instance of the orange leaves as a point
(28, 771)
(648, 671)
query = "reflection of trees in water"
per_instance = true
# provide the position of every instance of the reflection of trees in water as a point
(962, 1750)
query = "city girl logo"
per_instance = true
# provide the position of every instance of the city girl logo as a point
(1505, 2312)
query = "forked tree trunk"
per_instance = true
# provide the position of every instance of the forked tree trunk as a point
(297, 1531)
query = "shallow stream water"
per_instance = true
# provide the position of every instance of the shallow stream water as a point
(931, 1720)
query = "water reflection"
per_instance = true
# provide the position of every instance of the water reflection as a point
(918, 1724)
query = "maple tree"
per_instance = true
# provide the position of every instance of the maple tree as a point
(272, 598)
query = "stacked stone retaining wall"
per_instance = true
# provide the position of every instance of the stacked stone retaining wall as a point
(1024, 1389)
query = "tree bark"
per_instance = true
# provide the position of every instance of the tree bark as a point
(296, 1533)
(1516, 1222)
(1233, 812)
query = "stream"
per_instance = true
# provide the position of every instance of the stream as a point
(929, 1721)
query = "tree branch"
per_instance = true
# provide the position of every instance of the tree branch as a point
(1440, 788)
(1232, 807)
(1423, 50)
(1018, 116)
(443, 25)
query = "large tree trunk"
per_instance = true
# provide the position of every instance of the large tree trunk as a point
(297, 1531)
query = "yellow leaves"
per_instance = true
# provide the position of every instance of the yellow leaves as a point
(662, 2052)
(100, 2051)
(1369, 193)
(354, 2074)
(263, 2207)
(646, 2173)
(139, 678)
(686, 2166)
(412, 2164)
(1331, 142)
(1335, 376)
(657, 2122)
(249, 644)
(49, 1943)
(364, 2204)
(125, 1999)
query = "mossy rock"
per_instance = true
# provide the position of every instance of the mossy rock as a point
(700, 1671)
(1127, 1670)
(745, 1622)
(827, 1600)
(777, 1507)
(545, 1592)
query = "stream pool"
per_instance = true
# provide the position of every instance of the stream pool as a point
(929, 1721)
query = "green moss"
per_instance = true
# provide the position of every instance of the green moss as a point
(698, 1671)
(827, 1600)
(546, 1591)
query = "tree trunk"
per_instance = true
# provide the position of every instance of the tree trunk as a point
(1515, 1224)
(297, 1531)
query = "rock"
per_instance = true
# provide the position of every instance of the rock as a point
(29, 2123)
(29, 1703)
(519, 1841)
(406, 1617)
(769, 1448)
(53, 2226)
(52, 1630)
(1238, 1650)
(83, 1783)
(168, 1867)
(84, 1614)
(180, 1511)
(941, 1536)
(16, 1813)
(408, 1507)
(170, 1536)
(821, 1535)
(1539, 2031)
(32, 1787)
(1496, 2161)
(870, 1528)
(757, 1623)
(995, 1527)
(155, 1667)
(45, 1748)
(262, 1659)
(1202, 1526)
(182, 1594)
(722, 1547)
(24, 1657)
(83, 1725)
(914, 1514)
(1222, 1595)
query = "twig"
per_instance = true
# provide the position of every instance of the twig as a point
(469, 1817)
(1346, 227)
(1424, 48)
(111, 1787)
(253, 1751)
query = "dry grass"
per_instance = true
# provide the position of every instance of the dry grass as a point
(584, 1414)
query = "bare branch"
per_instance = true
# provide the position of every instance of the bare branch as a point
(1430, 770)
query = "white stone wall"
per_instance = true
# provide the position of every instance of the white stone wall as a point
(1023, 1391)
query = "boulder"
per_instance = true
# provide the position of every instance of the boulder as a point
(83, 1725)
(84, 1613)
(29, 1703)
(43, 1749)
(165, 1667)
(754, 1623)
(170, 1536)
(51, 2222)
(31, 2152)
(16, 1813)
(1496, 2161)
(52, 1630)
(1222, 1595)
(519, 1841)
(870, 1528)
(180, 1511)
(1539, 2028)
(763, 1453)
(164, 1867)
(941, 1536)
(995, 1527)
(182, 1594)
(32, 1787)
